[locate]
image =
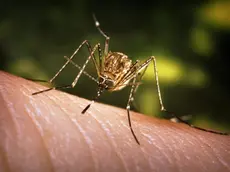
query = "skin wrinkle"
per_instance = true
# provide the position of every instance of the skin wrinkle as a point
(164, 144)
(42, 140)
(44, 145)
(191, 135)
(15, 125)
(178, 158)
(167, 144)
(183, 135)
(10, 109)
(174, 159)
(104, 133)
(39, 133)
(220, 142)
(219, 158)
(202, 147)
(223, 145)
(49, 111)
(126, 126)
(207, 146)
(199, 146)
(213, 150)
(82, 131)
(175, 136)
(4, 159)
(194, 161)
(4, 165)
(112, 143)
(143, 149)
(73, 99)
(142, 152)
(117, 112)
(168, 158)
(12, 123)
(131, 139)
(77, 126)
(222, 161)
(117, 147)
(146, 160)
(158, 147)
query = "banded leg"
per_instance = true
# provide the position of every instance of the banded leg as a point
(97, 46)
(71, 57)
(84, 72)
(138, 83)
(173, 114)
(128, 108)
(135, 84)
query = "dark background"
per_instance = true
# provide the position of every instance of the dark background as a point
(191, 41)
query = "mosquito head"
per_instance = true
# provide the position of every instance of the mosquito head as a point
(105, 82)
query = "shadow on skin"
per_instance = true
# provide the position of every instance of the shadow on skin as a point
(47, 132)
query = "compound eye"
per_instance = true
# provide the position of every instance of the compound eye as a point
(101, 79)
(109, 83)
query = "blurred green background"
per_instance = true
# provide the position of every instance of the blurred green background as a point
(191, 41)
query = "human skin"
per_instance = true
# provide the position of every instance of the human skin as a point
(47, 132)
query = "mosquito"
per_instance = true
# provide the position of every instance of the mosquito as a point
(115, 71)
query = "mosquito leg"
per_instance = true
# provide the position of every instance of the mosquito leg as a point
(77, 77)
(128, 109)
(53, 88)
(84, 72)
(83, 67)
(137, 84)
(173, 114)
(36, 80)
(71, 57)
(85, 42)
